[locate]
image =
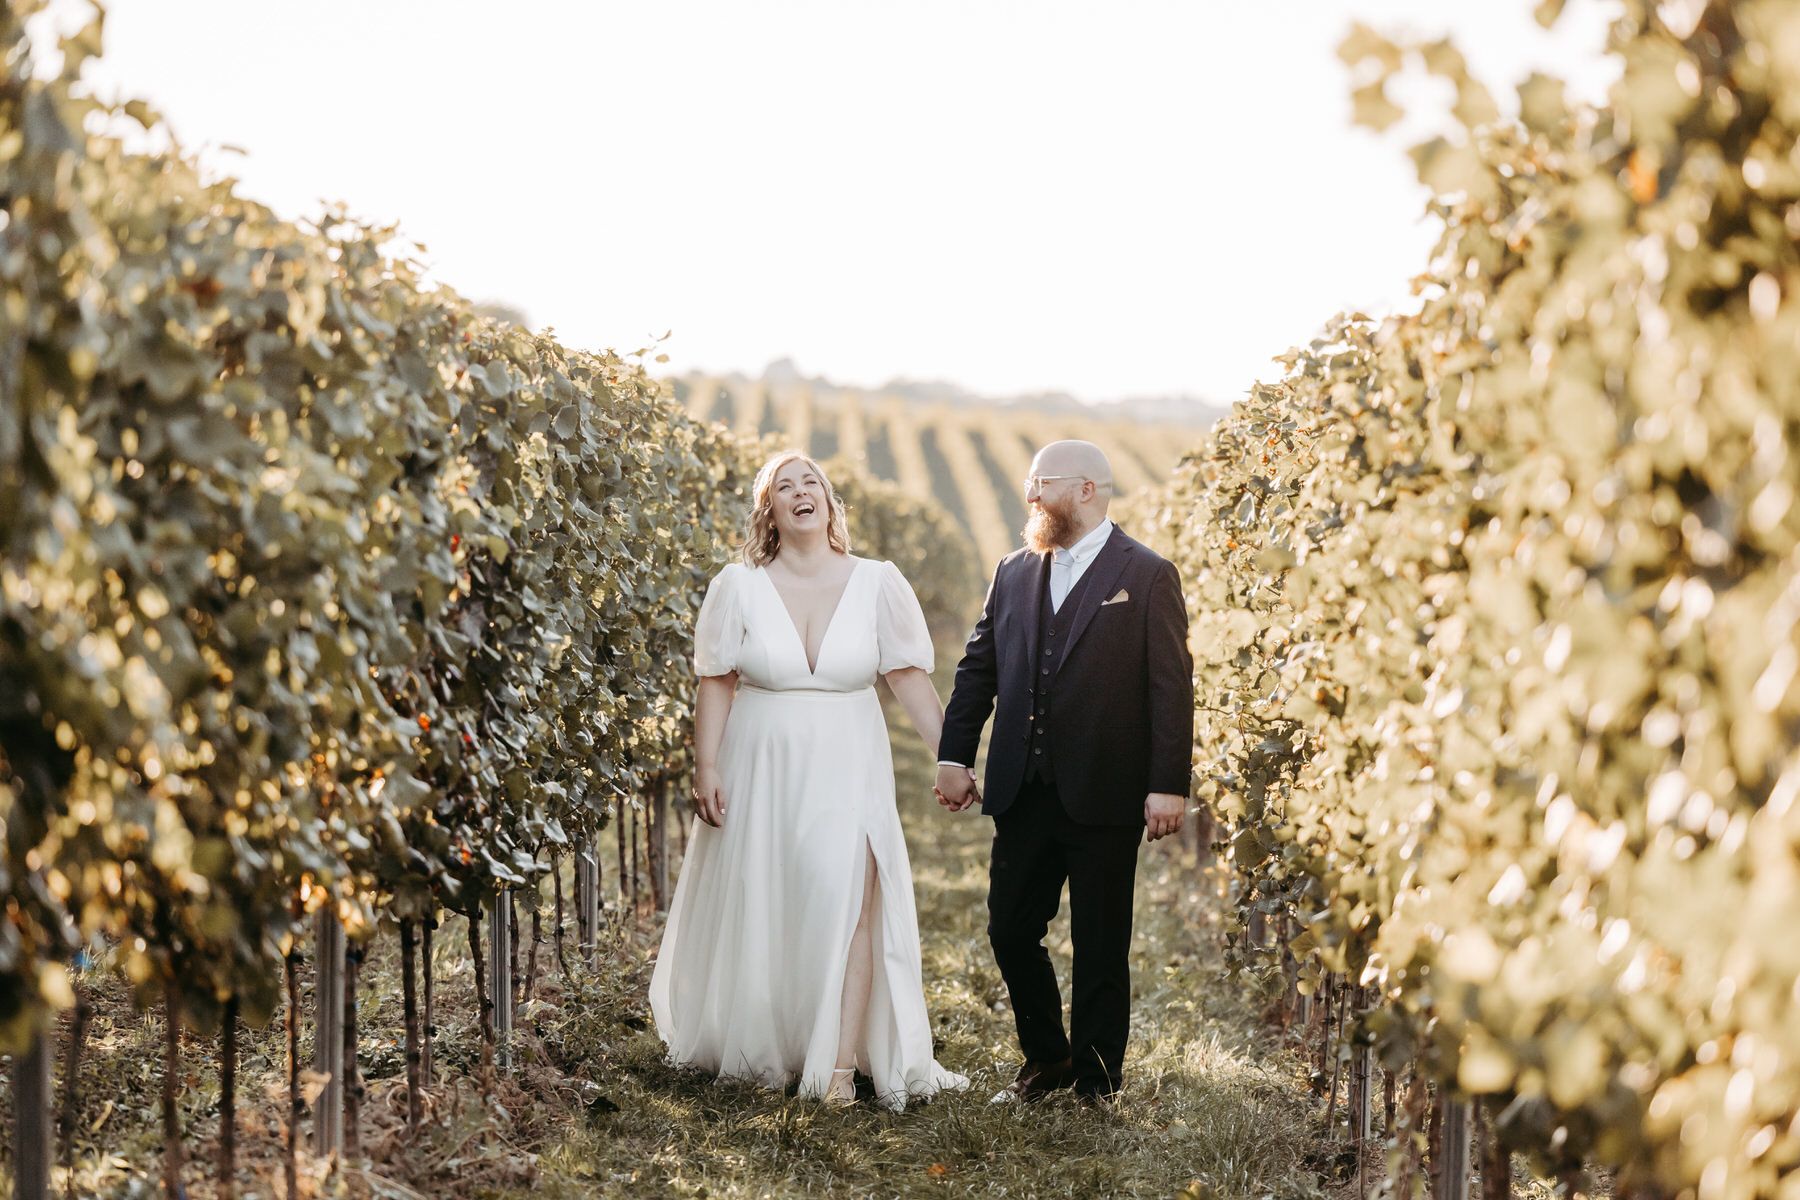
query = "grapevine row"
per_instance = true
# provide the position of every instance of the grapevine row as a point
(325, 604)
(318, 592)
(1496, 615)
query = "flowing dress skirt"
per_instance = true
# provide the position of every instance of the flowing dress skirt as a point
(750, 978)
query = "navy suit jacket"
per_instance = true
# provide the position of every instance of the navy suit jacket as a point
(1121, 713)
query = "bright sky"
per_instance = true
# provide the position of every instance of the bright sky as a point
(1136, 197)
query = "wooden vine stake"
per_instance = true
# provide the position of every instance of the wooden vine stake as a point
(171, 1113)
(556, 883)
(1361, 1098)
(484, 996)
(409, 999)
(1496, 1159)
(1409, 1122)
(1450, 1174)
(228, 1056)
(71, 1101)
(513, 975)
(328, 1033)
(1334, 1041)
(31, 1120)
(537, 936)
(587, 897)
(659, 843)
(290, 967)
(353, 1085)
(584, 886)
(619, 818)
(501, 990)
(426, 928)
(1326, 991)
(631, 817)
(1295, 1005)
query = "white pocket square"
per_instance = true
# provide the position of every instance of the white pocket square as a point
(1121, 598)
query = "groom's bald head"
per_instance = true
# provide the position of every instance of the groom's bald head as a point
(1084, 460)
(1070, 487)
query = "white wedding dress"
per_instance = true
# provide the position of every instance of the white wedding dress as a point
(749, 979)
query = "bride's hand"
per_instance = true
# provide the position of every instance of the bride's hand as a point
(709, 796)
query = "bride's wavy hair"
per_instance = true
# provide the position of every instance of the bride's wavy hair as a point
(764, 540)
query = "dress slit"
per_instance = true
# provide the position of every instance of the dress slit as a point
(822, 1058)
(877, 915)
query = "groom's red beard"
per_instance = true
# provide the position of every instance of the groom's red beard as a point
(1049, 528)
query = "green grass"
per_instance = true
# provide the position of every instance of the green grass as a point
(1208, 1096)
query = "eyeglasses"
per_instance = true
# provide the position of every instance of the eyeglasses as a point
(1035, 483)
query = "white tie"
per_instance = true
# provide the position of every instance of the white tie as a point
(1062, 566)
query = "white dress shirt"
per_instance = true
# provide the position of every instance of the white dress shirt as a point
(1068, 566)
(1066, 569)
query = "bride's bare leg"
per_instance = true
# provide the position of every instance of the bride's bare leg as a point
(859, 974)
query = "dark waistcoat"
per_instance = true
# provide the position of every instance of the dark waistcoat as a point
(1052, 633)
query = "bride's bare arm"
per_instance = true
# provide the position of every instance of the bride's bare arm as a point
(711, 707)
(913, 688)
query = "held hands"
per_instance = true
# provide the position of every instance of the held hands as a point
(1163, 813)
(956, 788)
(709, 796)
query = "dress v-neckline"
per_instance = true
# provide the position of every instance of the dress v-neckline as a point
(812, 669)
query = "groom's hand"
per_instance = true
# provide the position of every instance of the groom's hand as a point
(1162, 814)
(956, 788)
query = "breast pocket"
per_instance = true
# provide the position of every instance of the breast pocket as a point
(1118, 626)
(1121, 598)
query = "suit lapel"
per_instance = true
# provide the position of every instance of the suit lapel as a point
(1037, 577)
(1099, 580)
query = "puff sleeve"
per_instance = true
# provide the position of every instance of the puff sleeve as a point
(901, 636)
(719, 629)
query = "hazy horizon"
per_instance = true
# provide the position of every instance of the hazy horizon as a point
(950, 388)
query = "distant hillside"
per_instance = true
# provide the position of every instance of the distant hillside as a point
(968, 452)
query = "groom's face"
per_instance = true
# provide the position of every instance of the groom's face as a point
(1052, 507)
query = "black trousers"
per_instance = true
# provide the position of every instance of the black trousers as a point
(1037, 846)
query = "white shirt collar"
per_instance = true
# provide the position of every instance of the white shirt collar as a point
(1090, 545)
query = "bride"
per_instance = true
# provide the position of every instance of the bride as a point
(792, 946)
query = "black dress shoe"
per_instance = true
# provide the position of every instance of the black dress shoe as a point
(1037, 1080)
(1092, 1097)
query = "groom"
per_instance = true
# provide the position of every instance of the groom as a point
(1081, 656)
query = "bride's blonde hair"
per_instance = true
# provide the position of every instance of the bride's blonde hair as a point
(764, 540)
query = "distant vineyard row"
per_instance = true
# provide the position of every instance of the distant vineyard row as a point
(970, 459)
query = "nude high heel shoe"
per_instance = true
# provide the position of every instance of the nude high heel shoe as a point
(841, 1095)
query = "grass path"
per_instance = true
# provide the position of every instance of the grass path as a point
(594, 1111)
(1208, 1097)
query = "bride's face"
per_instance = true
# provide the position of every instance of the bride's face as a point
(798, 500)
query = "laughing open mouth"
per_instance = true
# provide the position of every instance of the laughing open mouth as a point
(803, 509)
